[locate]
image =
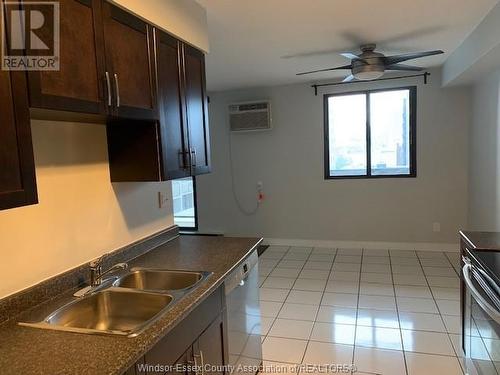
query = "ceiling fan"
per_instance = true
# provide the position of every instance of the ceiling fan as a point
(370, 65)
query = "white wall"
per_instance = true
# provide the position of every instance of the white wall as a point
(484, 172)
(80, 214)
(186, 19)
(479, 53)
(302, 205)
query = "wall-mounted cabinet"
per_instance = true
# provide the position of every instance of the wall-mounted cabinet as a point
(148, 86)
(196, 109)
(183, 108)
(17, 166)
(130, 80)
(106, 64)
(79, 84)
(172, 104)
(178, 145)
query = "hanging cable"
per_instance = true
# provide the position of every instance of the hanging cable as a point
(233, 185)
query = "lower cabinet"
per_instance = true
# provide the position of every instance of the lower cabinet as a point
(136, 369)
(181, 365)
(209, 348)
(196, 342)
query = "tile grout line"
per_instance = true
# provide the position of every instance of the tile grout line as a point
(275, 266)
(452, 266)
(357, 310)
(331, 271)
(441, 315)
(288, 294)
(273, 318)
(320, 301)
(397, 313)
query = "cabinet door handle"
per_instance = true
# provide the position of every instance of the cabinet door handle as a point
(108, 87)
(195, 364)
(193, 159)
(117, 86)
(202, 362)
(192, 364)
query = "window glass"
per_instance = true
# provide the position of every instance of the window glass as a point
(390, 132)
(184, 202)
(376, 142)
(347, 135)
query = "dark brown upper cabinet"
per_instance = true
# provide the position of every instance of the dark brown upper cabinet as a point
(106, 64)
(178, 145)
(17, 166)
(171, 103)
(79, 84)
(129, 75)
(196, 109)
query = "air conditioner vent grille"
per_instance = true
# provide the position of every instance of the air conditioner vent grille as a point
(250, 116)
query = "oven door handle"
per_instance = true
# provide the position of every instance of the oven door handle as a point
(490, 280)
(481, 301)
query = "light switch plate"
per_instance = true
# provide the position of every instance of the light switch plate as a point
(162, 199)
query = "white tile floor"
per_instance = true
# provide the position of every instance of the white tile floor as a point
(386, 312)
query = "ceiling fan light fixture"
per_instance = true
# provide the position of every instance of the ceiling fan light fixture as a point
(368, 75)
(371, 65)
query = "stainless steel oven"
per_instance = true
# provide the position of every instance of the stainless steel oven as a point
(481, 314)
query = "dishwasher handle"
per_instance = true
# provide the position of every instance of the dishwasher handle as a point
(239, 276)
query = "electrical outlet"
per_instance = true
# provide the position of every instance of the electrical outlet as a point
(260, 192)
(162, 199)
(436, 227)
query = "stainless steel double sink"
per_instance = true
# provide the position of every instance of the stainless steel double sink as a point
(131, 303)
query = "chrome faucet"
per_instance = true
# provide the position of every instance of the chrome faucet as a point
(96, 276)
(96, 273)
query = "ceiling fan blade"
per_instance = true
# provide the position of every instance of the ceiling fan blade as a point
(349, 55)
(391, 60)
(310, 54)
(348, 78)
(409, 68)
(326, 70)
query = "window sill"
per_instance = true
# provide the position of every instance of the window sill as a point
(374, 177)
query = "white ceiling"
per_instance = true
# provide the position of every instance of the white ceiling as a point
(249, 38)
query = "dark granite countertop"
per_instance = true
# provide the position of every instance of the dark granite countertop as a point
(26, 350)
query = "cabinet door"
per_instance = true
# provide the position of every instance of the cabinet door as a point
(17, 167)
(196, 109)
(181, 366)
(209, 348)
(129, 52)
(136, 369)
(175, 158)
(79, 84)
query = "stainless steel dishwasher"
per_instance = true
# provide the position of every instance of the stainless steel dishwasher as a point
(243, 317)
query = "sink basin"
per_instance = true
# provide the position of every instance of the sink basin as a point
(126, 307)
(159, 280)
(111, 311)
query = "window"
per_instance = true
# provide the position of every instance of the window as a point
(371, 134)
(184, 199)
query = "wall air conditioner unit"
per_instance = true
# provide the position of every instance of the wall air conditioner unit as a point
(250, 116)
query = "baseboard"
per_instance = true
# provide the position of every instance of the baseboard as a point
(367, 245)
